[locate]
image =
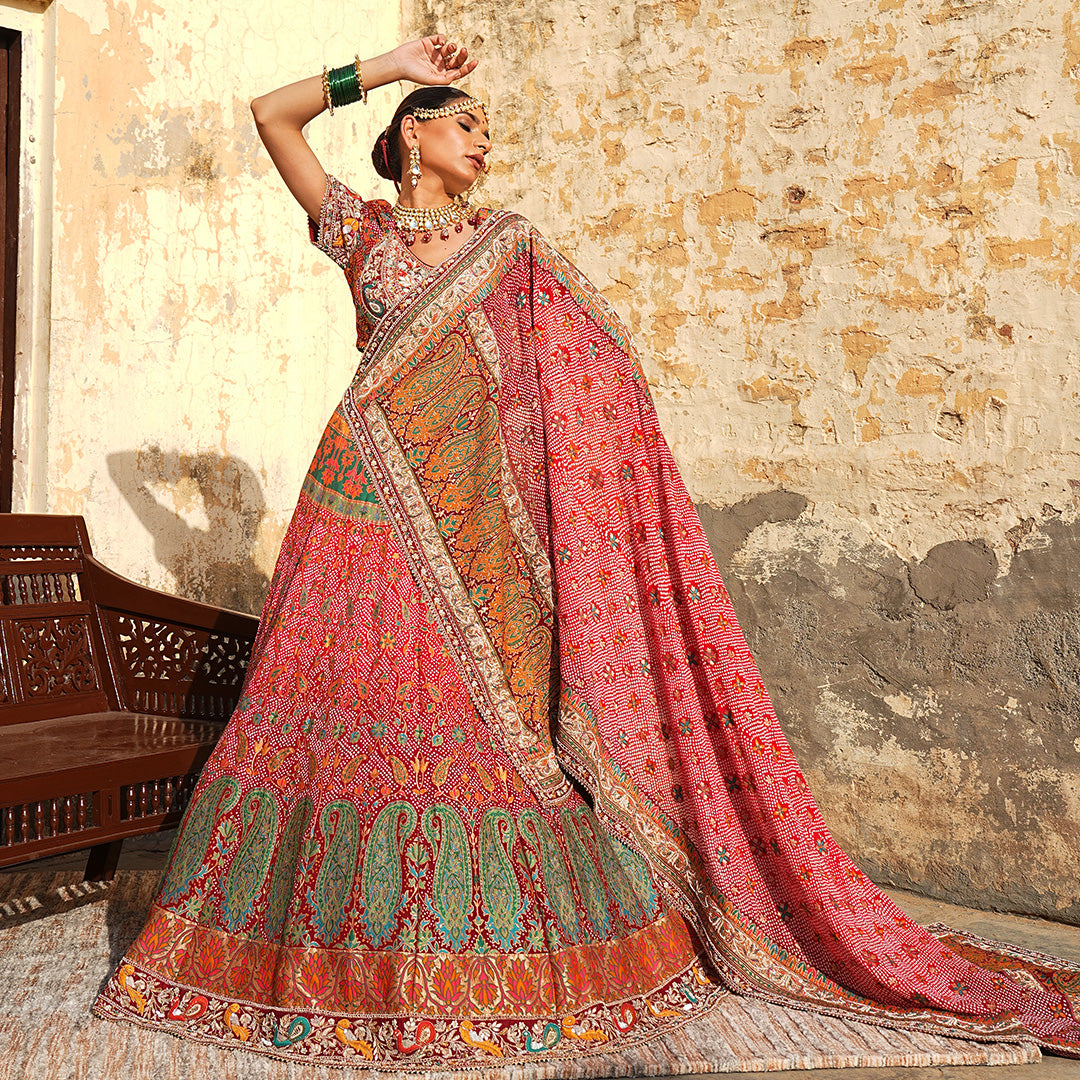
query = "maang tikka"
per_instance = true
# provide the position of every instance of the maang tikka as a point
(414, 164)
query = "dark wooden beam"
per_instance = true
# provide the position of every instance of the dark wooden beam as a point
(10, 70)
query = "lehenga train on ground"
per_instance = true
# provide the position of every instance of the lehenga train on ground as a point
(505, 784)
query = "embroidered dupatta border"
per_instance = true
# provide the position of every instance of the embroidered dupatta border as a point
(406, 335)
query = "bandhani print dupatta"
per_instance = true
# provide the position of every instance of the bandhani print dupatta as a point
(504, 415)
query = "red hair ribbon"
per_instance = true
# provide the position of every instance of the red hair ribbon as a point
(384, 139)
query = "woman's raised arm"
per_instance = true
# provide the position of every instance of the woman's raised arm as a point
(282, 114)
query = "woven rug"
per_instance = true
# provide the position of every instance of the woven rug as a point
(60, 939)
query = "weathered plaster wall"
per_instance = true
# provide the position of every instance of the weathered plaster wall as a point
(847, 238)
(35, 23)
(932, 702)
(197, 343)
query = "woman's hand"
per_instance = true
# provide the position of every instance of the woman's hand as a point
(280, 116)
(432, 61)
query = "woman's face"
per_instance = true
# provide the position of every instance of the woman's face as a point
(452, 148)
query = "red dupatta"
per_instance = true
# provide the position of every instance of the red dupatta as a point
(504, 415)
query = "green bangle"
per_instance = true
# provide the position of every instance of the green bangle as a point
(344, 86)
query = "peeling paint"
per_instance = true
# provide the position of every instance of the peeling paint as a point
(846, 238)
(888, 193)
(191, 321)
(932, 703)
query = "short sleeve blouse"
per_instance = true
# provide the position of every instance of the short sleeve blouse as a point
(347, 230)
(347, 225)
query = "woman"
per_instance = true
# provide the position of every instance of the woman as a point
(505, 784)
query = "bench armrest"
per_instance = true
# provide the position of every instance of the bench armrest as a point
(170, 656)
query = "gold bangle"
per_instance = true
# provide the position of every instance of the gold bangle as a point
(360, 80)
(326, 89)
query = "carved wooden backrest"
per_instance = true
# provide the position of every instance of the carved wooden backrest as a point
(52, 662)
(170, 669)
(77, 638)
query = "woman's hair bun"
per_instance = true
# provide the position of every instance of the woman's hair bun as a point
(386, 154)
(380, 156)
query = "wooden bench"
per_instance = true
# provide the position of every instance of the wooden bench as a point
(111, 696)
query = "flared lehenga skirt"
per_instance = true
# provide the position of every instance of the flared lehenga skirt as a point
(363, 876)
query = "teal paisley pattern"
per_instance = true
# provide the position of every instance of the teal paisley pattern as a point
(581, 841)
(284, 874)
(381, 876)
(451, 900)
(558, 891)
(189, 851)
(630, 874)
(248, 866)
(339, 824)
(498, 880)
(457, 396)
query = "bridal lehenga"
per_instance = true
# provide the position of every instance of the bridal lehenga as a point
(504, 784)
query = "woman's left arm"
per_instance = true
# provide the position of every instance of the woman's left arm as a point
(282, 114)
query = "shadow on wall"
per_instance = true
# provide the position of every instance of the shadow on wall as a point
(168, 491)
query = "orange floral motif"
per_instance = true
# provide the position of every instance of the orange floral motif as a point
(157, 938)
(351, 986)
(447, 987)
(519, 982)
(209, 960)
(263, 977)
(578, 975)
(484, 984)
(383, 978)
(238, 976)
(618, 972)
(315, 978)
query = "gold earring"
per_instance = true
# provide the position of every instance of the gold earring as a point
(414, 165)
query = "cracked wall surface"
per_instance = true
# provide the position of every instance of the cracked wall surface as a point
(198, 342)
(846, 238)
(932, 702)
(845, 235)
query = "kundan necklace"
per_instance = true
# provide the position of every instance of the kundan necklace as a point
(422, 221)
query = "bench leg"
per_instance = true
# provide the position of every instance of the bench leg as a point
(102, 860)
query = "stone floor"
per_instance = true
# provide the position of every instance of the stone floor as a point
(150, 852)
